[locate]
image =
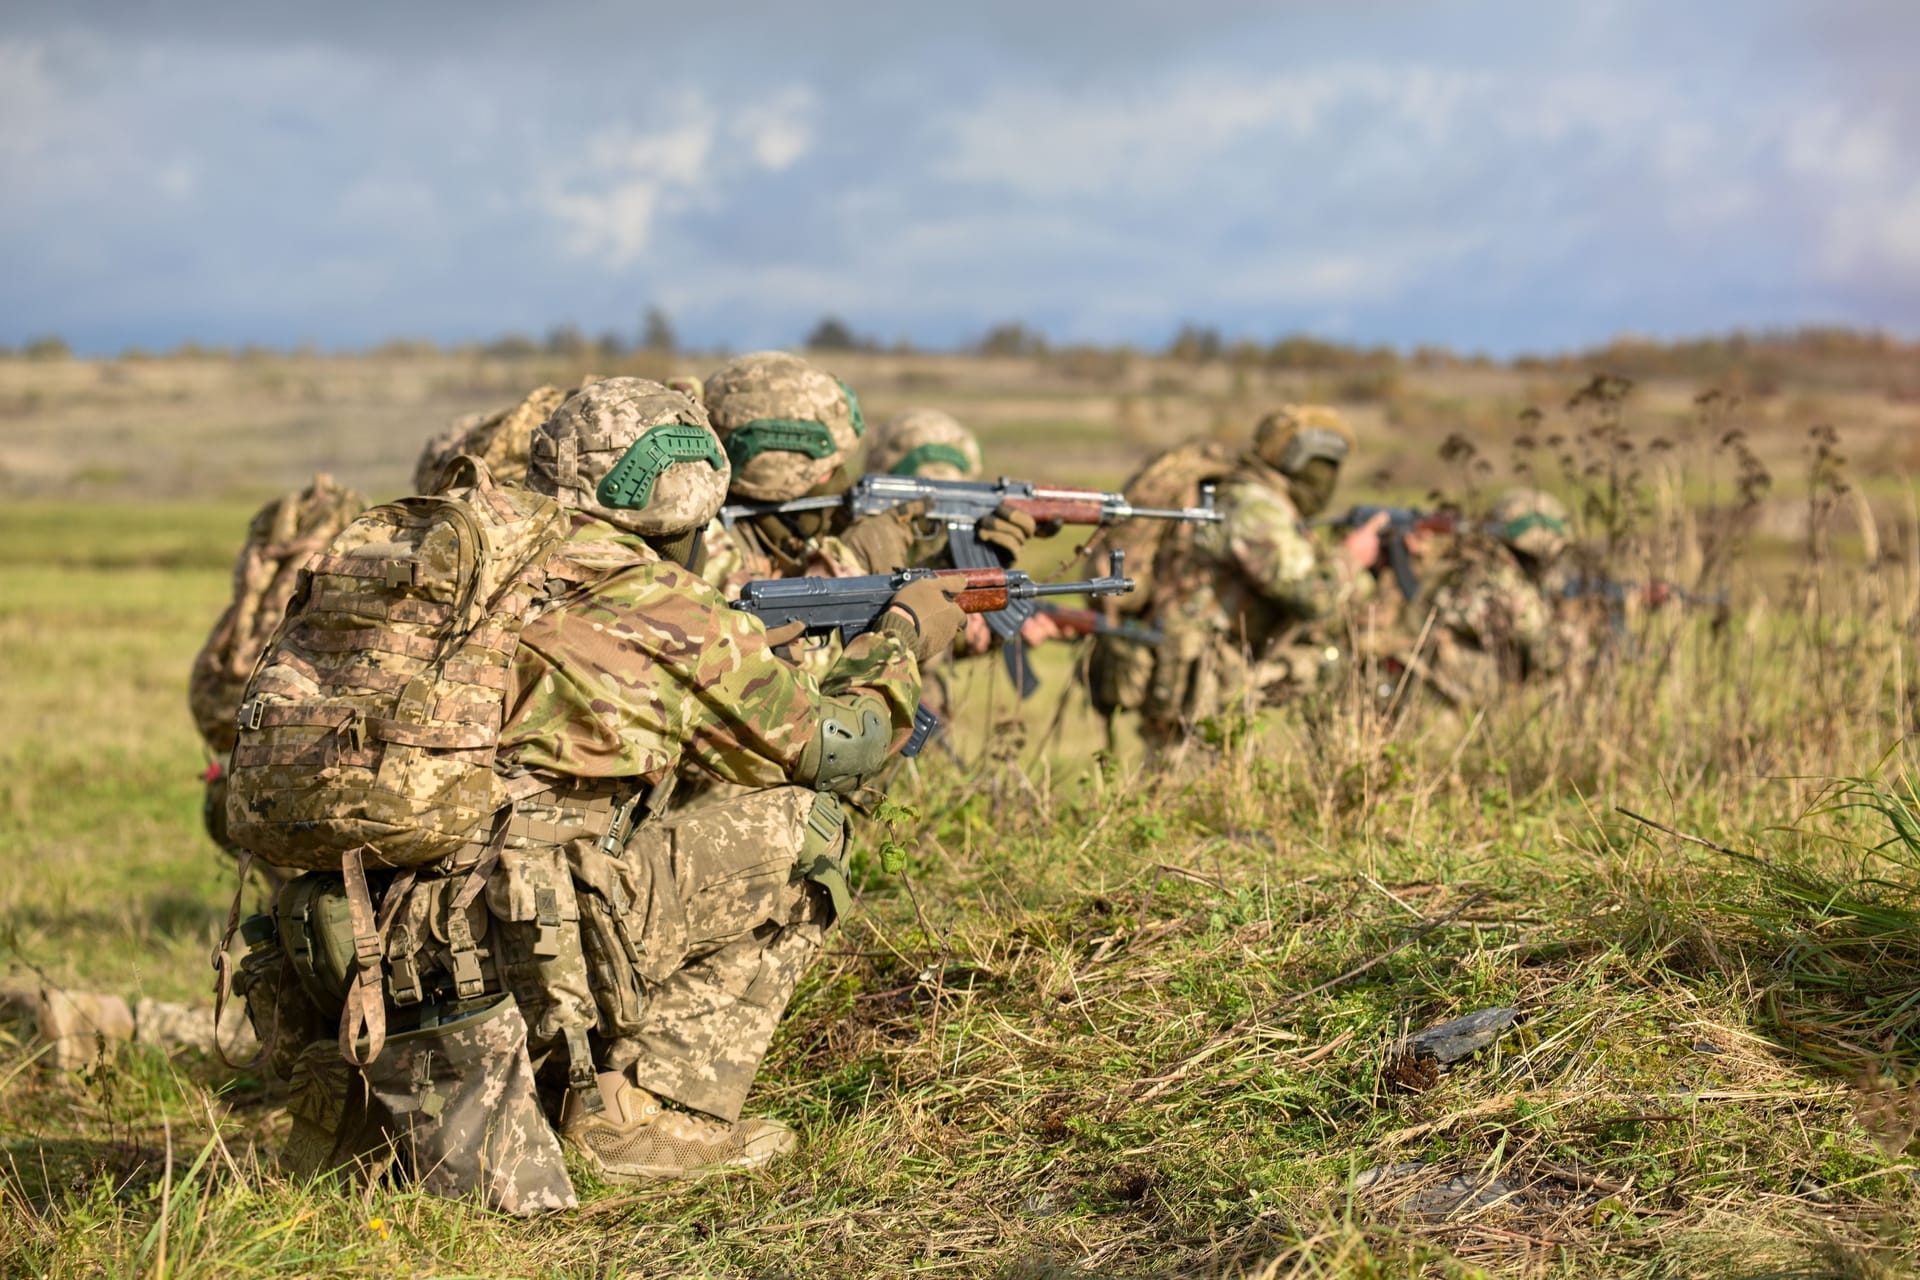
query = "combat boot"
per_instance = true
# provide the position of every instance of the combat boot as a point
(634, 1137)
(457, 1102)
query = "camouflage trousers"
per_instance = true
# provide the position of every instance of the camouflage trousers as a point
(731, 903)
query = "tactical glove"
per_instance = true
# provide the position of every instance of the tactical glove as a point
(886, 540)
(1008, 528)
(937, 619)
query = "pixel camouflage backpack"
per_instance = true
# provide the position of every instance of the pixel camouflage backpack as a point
(282, 537)
(368, 731)
(1171, 478)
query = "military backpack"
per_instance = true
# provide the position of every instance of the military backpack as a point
(1171, 478)
(283, 536)
(370, 725)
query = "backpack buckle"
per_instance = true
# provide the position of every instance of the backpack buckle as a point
(251, 713)
(400, 573)
(354, 730)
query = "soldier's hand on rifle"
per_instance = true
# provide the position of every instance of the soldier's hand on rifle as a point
(976, 636)
(1361, 548)
(929, 602)
(1039, 629)
(886, 540)
(1008, 529)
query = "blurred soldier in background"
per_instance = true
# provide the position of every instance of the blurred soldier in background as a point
(925, 443)
(646, 958)
(1236, 609)
(934, 445)
(1484, 603)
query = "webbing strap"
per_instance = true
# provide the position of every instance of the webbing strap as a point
(365, 1010)
(392, 570)
(223, 971)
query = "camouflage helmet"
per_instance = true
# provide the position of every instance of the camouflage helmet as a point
(500, 439)
(1296, 434)
(924, 442)
(634, 454)
(442, 447)
(787, 424)
(1532, 523)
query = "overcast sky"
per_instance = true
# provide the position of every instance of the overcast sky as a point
(1499, 174)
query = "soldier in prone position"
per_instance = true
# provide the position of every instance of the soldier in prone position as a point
(645, 959)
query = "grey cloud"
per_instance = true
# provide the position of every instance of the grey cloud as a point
(1501, 174)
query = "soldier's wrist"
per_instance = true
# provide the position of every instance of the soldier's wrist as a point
(901, 623)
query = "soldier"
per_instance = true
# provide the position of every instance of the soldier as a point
(1485, 591)
(1233, 607)
(924, 442)
(652, 965)
(791, 430)
(935, 445)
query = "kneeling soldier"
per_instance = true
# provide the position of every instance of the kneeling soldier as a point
(643, 960)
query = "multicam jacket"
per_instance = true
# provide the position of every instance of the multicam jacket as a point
(746, 553)
(649, 671)
(1259, 572)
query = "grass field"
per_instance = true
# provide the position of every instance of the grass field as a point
(1110, 1022)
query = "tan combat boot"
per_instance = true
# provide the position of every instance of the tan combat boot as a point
(635, 1137)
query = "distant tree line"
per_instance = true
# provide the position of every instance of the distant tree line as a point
(1758, 360)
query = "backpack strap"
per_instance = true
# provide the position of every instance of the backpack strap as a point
(365, 1009)
(223, 972)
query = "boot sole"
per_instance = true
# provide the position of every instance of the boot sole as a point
(669, 1173)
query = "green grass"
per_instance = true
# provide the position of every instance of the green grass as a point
(1143, 1024)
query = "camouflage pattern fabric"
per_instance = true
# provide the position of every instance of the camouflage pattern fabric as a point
(502, 438)
(383, 737)
(776, 387)
(1492, 623)
(453, 1105)
(589, 435)
(736, 900)
(649, 670)
(927, 443)
(281, 538)
(1249, 585)
(747, 553)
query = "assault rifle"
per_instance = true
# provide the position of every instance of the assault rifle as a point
(1654, 591)
(851, 606)
(959, 506)
(1401, 521)
(1091, 622)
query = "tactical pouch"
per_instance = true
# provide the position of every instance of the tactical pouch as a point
(316, 937)
(538, 939)
(283, 1016)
